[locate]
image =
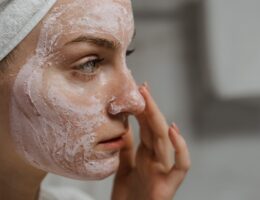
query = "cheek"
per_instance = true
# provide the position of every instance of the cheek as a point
(75, 104)
(53, 131)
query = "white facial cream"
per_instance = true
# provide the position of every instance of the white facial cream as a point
(52, 130)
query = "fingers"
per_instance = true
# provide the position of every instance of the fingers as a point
(144, 161)
(145, 130)
(154, 129)
(127, 156)
(154, 118)
(164, 153)
(182, 157)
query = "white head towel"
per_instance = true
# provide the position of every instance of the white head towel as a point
(17, 19)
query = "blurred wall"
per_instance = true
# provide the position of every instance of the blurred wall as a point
(222, 136)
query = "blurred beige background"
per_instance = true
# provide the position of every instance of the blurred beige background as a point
(202, 61)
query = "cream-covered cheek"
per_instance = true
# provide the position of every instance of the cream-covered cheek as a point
(54, 132)
(55, 123)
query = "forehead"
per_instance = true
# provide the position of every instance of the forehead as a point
(70, 17)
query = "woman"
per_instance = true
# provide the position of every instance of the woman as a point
(66, 94)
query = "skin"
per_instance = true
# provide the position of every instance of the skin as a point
(50, 57)
(62, 104)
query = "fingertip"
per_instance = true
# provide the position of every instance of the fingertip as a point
(147, 97)
(145, 84)
(177, 140)
(141, 89)
(144, 88)
(171, 129)
(172, 134)
(175, 127)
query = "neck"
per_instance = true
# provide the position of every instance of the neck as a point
(18, 180)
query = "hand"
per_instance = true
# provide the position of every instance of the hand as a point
(151, 174)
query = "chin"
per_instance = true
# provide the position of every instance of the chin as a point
(90, 170)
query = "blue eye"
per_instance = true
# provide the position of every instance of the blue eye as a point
(90, 66)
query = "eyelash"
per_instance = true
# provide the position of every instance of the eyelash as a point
(87, 75)
(95, 62)
(129, 52)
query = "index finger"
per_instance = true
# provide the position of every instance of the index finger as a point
(182, 157)
(154, 118)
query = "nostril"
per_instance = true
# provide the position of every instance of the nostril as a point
(115, 108)
(131, 102)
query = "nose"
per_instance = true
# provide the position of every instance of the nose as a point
(128, 99)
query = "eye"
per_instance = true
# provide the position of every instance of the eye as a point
(89, 65)
(129, 52)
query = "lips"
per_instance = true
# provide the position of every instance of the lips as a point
(115, 142)
(111, 140)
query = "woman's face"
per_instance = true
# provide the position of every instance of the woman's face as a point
(70, 101)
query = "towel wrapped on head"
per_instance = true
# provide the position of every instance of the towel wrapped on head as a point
(17, 19)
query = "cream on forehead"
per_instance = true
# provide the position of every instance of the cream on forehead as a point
(92, 17)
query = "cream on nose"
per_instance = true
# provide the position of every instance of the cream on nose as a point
(129, 102)
(129, 99)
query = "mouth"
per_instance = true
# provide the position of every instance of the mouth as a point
(114, 143)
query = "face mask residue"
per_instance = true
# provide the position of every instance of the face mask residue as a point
(50, 131)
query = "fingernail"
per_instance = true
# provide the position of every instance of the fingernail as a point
(144, 84)
(173, 125)
(141, 88)
(172, 132)
(147, 87)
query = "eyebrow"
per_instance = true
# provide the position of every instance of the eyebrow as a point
(97, 41)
